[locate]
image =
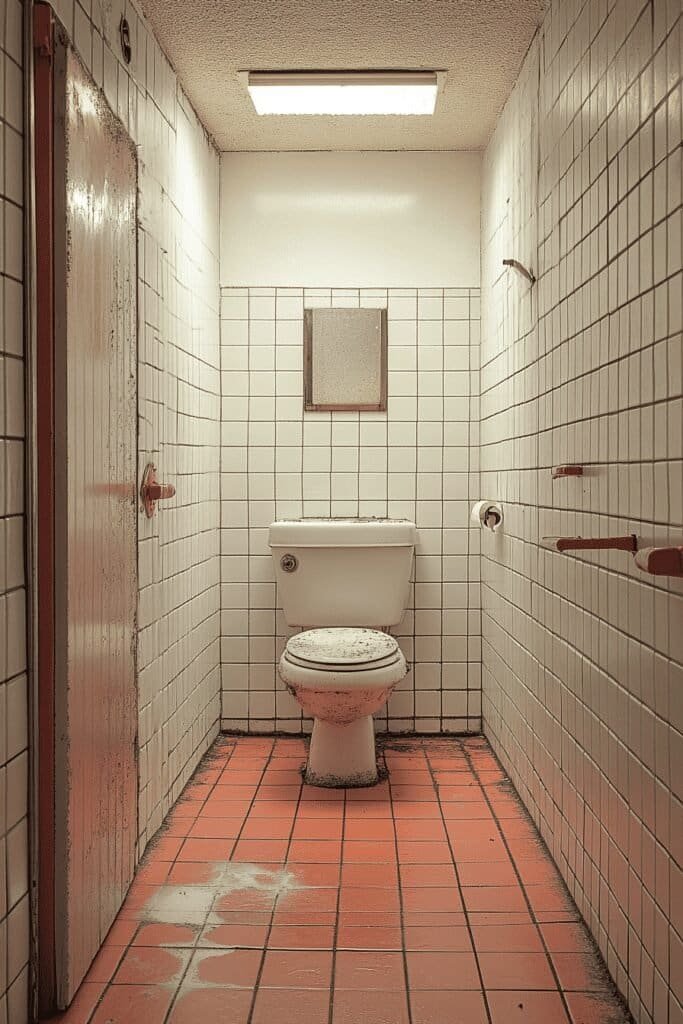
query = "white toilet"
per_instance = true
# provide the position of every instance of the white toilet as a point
(344, 581)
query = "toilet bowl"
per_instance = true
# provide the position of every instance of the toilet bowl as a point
(337, 579)
(340, 677)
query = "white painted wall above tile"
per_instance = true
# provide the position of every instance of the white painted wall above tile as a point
(363, 220)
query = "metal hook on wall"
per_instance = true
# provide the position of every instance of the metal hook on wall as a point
(516, 265)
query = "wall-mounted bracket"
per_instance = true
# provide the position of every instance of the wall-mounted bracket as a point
(628, 543)
(661, 561)
(657, 561)
(152, 491)
(520, 268)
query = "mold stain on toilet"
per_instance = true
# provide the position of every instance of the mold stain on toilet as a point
(331, 781)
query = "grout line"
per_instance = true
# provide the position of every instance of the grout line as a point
(404, 952)
(269, 930)
(210, 910)
(513, 861)
(335, 934)
(468, 923)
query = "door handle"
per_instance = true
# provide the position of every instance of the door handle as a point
(152, 491)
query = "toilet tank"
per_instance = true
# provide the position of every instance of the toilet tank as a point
(343, 572)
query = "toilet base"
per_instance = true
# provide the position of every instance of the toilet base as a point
(342, 755)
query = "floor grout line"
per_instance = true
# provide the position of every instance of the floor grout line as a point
(468, 923)
(335, 933)
(537, 925)
(467, 763)
(269, 928)
(184, 974)
(404, 953)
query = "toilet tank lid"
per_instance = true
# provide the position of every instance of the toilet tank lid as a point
(342, 533)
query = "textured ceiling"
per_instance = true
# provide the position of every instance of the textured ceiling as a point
(479, 43)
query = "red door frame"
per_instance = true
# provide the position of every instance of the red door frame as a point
(43, 48)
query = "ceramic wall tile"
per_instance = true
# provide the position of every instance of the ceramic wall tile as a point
(14, 884)
(406, 462)
(179, 402)
(582, 657)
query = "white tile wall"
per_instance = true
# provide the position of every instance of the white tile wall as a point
(14, 900)
(179, 392)
(583, 657)
(418, 460)
(179, 399)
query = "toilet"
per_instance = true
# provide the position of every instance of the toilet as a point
(344, 582)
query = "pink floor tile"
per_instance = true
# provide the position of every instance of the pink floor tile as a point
(520, 1007)
(581, 972)
(133, 1004)
(235, 967)
(351, 1007)
(151, 965)
(298, 1006)
(367, 936)
(218, 1005)
(505, 970)
(499, 898)
(369, 971)
(206, 849)
(448, 1007)
(454, 938)
(262, 894)
(298, 969)
(511, 938)
(105, 963)
(594, 1008)
(166, 935)
(246, 936)
(566, 938)
(303, 936)
(442, 970)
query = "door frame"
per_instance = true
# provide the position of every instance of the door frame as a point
(41, 582)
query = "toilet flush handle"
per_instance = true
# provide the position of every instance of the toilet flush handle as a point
(152, 491)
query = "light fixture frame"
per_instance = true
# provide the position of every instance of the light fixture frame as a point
(294, 78)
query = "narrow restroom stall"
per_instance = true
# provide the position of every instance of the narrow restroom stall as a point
(86, 178)
(519, 859)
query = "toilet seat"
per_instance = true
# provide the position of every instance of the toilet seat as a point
(342, 649)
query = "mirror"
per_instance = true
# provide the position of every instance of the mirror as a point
(345, 359)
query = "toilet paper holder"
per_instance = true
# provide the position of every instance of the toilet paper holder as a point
(488, 514)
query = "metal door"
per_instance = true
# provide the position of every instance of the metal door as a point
(94, 523)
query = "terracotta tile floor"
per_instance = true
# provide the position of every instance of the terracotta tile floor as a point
(428, 899)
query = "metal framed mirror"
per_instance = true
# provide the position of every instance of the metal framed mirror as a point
(345, 360)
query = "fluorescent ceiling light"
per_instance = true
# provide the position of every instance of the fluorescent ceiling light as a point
(343, 92)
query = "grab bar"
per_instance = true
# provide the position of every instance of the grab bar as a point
(658, 561)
